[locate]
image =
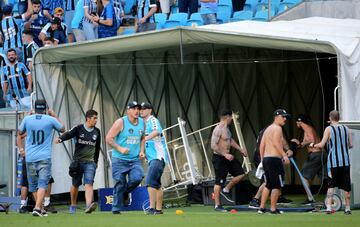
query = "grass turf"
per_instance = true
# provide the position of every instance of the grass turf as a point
(196, 215)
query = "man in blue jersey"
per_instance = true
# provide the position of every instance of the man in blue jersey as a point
(50, 6)
(126, 137)
(155, 150)
(145, 15)
(36, 21)
(10, 29)
(338, 139)
(38, 128)
(16, 81)
(87, 147)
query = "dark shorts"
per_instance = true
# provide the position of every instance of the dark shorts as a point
(340, 177)
(315, 165)
(274, 172)
(222, 167)
(24, 181)
(155, 171)
(87, 171)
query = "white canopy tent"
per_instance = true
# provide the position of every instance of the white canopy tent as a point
(106, 74)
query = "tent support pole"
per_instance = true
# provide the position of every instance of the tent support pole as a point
(106, 164)
(181, 48)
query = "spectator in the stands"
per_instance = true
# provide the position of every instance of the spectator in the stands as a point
(188, 6)
(165, 6)
(54, 31)
(77, 22)
(10, 30)
(50, 6)
(37, 20)
(29, 47)
(25, 9)
(106, 21)
(59, 13)
(89, 25)
(209, 9)
(49, 42)
(145, 15)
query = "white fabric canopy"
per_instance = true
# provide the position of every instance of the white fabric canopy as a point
(72, 78)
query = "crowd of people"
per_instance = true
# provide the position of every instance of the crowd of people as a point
(133, 137)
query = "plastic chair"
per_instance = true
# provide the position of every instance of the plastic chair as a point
(250, 5)
(262, 15)
(172, 24)
(160, 19)
(226, 2)
(223, 17)
(242, 15)
(180, 17)
(224, 8)
(196, 16)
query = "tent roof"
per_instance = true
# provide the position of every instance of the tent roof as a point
(314, 34)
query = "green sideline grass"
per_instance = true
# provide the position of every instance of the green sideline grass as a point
(193, 216)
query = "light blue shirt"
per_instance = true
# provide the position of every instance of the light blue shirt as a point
(129, 137)
(155, 148)
(77, 20)
(38, 128)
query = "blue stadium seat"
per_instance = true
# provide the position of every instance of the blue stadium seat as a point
(128, 5)
(284, 6)
(242, 15)
(128, 31)
(172, 24)
(160, 19)
(262, 15)
(250, 5)
(223, 17)
(292, 1)
(196, 16)
(226, 2)
(224, 8)
(180, 17)
(265, 6)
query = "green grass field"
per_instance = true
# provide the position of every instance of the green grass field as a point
(196, 215)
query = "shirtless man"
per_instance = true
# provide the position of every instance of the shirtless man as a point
(273, 156)
(223, 161)
(317, 158)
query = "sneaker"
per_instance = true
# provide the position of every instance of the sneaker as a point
(254, 203)
(308, 202)
(44, 213)
(347, 212)
(127, 199)
(37, 213)
(50, 208)
(116, 212)
(276, 211)
(23, 210)
(158, 212)
(261, 211)
(282, 199)
(150, 211)
(91, 208)
(72, 209)
(227, 196)
(220, 209)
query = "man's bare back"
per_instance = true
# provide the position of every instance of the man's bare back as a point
(221, 139)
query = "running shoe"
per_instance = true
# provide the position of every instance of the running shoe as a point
(220, 209)
(254, 203)
(91, 208)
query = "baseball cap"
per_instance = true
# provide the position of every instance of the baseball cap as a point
(146, 105)
(40, 105)
(56, 20)
(133, 104)
(7, 8)
(226, 113)
(303, 118)
(58, 10)
(281, 112)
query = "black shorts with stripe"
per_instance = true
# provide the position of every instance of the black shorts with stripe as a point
(274, 172)
(340, 177)
(222, 167)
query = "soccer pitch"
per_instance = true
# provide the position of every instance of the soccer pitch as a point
(197, 215)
